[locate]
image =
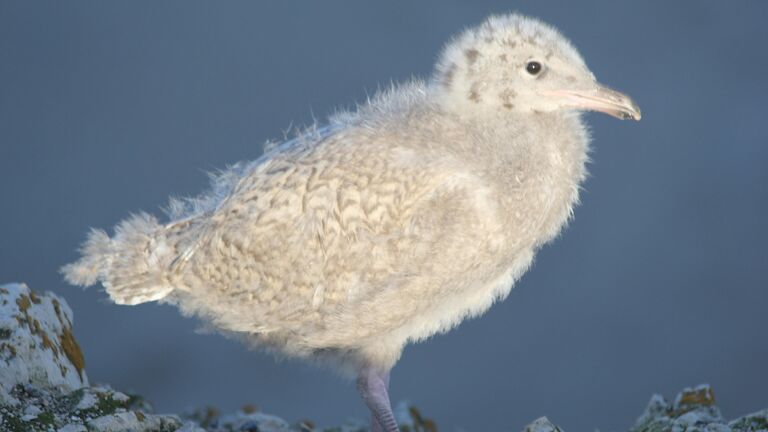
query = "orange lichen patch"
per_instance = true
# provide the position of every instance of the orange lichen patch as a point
(72, 350)
(48, 344)
(699, 396)
(249, 408)
(35, 299)
(420, 424)
(34, 325)
(23, 303)
(36, 329)
(62, 318)
(57, 308)
(25, 320)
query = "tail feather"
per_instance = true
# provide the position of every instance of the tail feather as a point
(130, 265)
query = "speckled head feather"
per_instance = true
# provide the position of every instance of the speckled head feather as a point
(486, 66)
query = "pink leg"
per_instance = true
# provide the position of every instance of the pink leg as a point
(372, 385)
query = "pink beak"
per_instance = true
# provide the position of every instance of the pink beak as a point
(601, 99)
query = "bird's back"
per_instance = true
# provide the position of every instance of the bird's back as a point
(311, 236)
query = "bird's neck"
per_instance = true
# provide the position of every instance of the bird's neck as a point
(555, 143)
(539, 159)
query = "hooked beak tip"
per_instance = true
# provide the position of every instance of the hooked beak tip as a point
(635, 115)
(633, 112)
(601, 99)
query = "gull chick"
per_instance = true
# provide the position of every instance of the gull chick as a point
(390, 224)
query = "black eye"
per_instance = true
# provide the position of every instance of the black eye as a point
(533, 67)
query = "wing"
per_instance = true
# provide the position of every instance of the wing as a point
(314, 229)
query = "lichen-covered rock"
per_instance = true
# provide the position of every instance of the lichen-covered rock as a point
(257, 421)
(250, 419)
(93, 409)
(755, 422)
(36, 342)
(694, 410)
(43, 388)
(410, 419)
(43, 385)
(134, 421)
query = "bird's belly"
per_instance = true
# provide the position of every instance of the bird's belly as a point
(503, 257)
(476, 297)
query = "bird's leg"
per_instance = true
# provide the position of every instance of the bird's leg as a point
(372, 385)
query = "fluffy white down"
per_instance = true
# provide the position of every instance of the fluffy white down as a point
(393, 223)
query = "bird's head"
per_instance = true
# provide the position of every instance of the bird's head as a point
(513, 63)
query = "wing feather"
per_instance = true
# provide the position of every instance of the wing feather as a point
(309, 230)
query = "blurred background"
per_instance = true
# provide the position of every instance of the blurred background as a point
(661, 281)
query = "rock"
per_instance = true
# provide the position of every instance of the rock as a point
(240, 421)
(755, 422)
(694, 410)
(73, 428)
(36, 342)
(88, 401)
(542, 424)
(32, 411)
(43, 388)
(134, 421)
(259, 422)
(88, 408)
(43, 385)
(190, 427)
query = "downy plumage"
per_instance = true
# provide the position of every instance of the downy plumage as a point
(392, 223)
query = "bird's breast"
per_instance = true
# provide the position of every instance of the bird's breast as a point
(539, 180)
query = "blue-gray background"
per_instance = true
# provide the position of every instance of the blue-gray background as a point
(659, 283)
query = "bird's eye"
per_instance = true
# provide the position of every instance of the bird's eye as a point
(533, 67)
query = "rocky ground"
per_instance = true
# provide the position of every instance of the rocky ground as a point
(44, 387)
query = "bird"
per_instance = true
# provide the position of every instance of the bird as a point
(390, 223)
